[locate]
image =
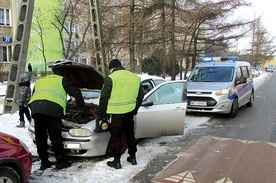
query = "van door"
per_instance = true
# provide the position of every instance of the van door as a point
(244, 89)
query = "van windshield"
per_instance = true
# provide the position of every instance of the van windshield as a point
(212, 74)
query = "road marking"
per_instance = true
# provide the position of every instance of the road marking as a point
(187, 177)
(224, 180)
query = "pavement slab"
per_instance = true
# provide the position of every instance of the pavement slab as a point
(223, 160)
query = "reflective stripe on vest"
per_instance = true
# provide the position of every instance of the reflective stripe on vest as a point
(125, 88)
(50, 88)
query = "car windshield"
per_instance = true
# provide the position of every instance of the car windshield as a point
(91, 94)
(212, 74)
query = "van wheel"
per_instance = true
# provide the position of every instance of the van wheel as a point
(234, 109)
(251, 99)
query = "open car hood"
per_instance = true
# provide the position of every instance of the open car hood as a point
(82, 75)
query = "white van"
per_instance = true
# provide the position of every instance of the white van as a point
(220, 87)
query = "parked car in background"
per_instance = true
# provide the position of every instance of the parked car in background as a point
(164, 102)
(255, 72)
(220, 87)
(270, 68)
(15, 160)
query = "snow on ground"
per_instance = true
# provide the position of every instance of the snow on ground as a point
(95, 169)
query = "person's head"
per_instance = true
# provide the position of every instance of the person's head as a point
(113, 64)
(23, 77)
(145, 89)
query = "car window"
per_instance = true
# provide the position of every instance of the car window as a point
(238, 75)
(245, 71)
(169, 93)
(212, 74)
(158, 81)
(147, 84)
(91, 94)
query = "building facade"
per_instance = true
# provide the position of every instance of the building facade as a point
(8, 20)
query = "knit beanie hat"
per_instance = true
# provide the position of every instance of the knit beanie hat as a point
(114, 63)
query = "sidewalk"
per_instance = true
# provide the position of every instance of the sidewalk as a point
(222, 160)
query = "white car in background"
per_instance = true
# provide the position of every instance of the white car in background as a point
(162, 112)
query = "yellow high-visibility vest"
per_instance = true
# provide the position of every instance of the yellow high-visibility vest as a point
(125, 88)
(50, 88)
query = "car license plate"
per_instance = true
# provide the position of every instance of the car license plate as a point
(200, 103)
(72, 146)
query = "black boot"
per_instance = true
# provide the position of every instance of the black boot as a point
(21, 124)
(62, 163)
(46, 164)
(132, 160)
(114, 164)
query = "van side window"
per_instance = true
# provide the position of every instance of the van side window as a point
(238, 75)
(245, 71)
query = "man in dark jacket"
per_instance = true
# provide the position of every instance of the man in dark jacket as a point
(48, 105)
(121, 97)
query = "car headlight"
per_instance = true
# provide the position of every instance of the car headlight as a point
(80, 132)
(222, 92)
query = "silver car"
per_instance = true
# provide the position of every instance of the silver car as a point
(162, 112)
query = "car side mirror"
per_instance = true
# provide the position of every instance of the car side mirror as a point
(147, 103)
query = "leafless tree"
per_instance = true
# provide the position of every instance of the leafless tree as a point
(68, 21)
(39, 30)
(262, 45)
(206, 24)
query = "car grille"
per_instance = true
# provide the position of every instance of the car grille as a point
(203, 93)
(210, 103)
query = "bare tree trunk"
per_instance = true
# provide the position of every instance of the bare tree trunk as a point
(163, 40)
(131, 37)
(173, 61)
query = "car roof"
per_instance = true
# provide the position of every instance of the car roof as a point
(145, 77)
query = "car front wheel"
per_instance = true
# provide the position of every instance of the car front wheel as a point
(8, 175)
(234, 109)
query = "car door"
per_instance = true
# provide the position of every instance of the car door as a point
(163, 111)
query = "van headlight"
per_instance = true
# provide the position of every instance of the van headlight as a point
(80, 132)
(222, 92)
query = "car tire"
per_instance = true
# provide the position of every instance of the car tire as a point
(234, 108)
(251, 99)
(8, 174)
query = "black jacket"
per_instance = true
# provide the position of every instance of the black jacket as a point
(52, 109)
(106, 92)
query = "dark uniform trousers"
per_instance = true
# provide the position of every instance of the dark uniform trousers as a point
(122, 123)
(48, 125)
(22, 111)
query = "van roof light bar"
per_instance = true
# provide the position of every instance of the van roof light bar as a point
(233, 58)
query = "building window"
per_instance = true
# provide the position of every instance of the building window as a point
(5, 15)
(5, 53)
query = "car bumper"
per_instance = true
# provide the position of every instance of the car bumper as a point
(217, 104)
(95, 145)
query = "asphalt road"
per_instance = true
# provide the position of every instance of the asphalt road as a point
(257, 123)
